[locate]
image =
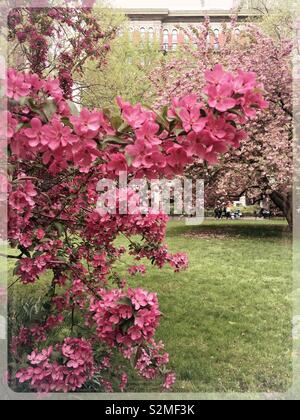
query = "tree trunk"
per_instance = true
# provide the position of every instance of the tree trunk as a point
(285, 203)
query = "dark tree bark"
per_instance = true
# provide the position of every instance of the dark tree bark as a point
(285, 203)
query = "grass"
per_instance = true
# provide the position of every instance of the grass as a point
(227, 320)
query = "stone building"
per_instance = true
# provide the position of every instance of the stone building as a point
(163, 19)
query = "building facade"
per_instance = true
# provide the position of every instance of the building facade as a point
(169, 25)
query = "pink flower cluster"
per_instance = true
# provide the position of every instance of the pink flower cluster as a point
(34, 28)
(151, 359)
(126, 319)
(103, 228)
(137, 269)
(124, 381)
(63, 369)
(36, 334)
(17, 85)
(30, 268)
(22, 199)
(55, 141)
(179, 262)
(170, 380)
(207, 129)
(226, 91)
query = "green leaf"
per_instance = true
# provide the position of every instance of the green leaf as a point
(67, 122)
(24, 251)
(114, 140)
(24, 101)
(16, 269)
(59, 227)
(179, 132)
(125, 326)
(116, 122)
(125, 301)
(49, 109)
(73, 108)
(164, 112)
(124, 128)
(107, 112)
(129, 159)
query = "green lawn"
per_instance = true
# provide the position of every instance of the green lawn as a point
(227, 320)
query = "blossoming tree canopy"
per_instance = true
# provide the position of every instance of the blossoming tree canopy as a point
(58, 40)
(262, 166)
(55, 161)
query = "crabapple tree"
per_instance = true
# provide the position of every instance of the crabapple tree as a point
(60, 41)
(90, 314)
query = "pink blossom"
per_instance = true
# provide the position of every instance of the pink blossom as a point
(135, 333)
(84, 153)
(134, 115)
(177, 157)
(124, 381)
(148, 133)
(23, 198)
(37, 358)
(220, 97)
(87, 123)
(244, 82)
(46, 375)
(217, 75)
(40, 234)
(35, 133)
(139, 269)
(12, 124)
(170, 379)
(117, 163)
(52, 87)
(57, 135)
(17, 88)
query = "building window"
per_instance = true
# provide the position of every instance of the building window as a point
(186, 39)
(143, 34)
(151, 35)
(208, 40)
(216, 42)
(174, 39)
(131, 31)
(166, 40)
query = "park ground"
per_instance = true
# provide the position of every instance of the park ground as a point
(227, 320)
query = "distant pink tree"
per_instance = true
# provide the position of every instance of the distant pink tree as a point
(262, 166)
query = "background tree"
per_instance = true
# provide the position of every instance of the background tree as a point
(126, 73)
(262, 166)
(59, 41)
(275, 16)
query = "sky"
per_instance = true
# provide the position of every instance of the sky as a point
(172, 4)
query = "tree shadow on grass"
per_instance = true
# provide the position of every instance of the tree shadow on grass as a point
(235, 229)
